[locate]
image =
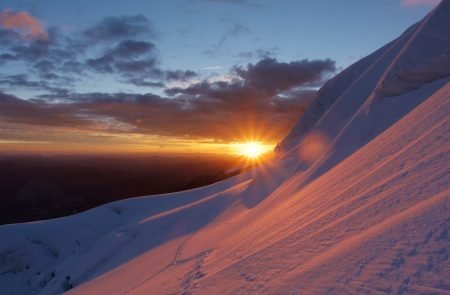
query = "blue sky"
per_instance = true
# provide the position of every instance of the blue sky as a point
(341, 30)
(170, 73)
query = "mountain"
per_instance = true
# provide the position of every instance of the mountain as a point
(357, 201)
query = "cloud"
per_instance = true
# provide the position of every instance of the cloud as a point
(179, 75)
(6, 57)
(72, 66)
(267, 77)
(272, 76)
(258, 53)
(114, 28)
(261, 93)
(132, 48)
(420, 2)
(22, 81)
(14, 110)
(8, 36)
(114, 45)
(34, 50)
(20, 21)
(129, 58)
(181, 116)
(136, 62)
(222, 110)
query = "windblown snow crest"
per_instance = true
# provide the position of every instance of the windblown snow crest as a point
(420, 56)
(357, 201)
(426, 57)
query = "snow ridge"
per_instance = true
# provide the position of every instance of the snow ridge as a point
(419, 56)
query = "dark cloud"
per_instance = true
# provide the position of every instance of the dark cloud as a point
(132, 49)
(136, 62)
(265, 78)
(52, 48)
(259, 53)
(221, 119)
(127, 58)
(142, 67)
(221, 110)
(72, 66)
(179, 75)
(18, 111)
(112, 45)
(260, 95)
(149, 114)
(103, 64)
(39, 50)
(44, 66)
(40, 59)
(114, 28)
(8, 37)
(273, 76)
(6, 57)
(21, 81)
(47, 69)
(265, 53)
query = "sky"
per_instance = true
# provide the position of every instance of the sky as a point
(178, 76)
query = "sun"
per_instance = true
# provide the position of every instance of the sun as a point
(251, 149)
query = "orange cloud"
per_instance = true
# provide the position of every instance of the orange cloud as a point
(420, 2)
(22, 21)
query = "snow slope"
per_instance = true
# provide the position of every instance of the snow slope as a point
(357, 201)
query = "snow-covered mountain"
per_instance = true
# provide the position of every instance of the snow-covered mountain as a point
(357, 201)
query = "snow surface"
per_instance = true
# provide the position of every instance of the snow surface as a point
(356, 202)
